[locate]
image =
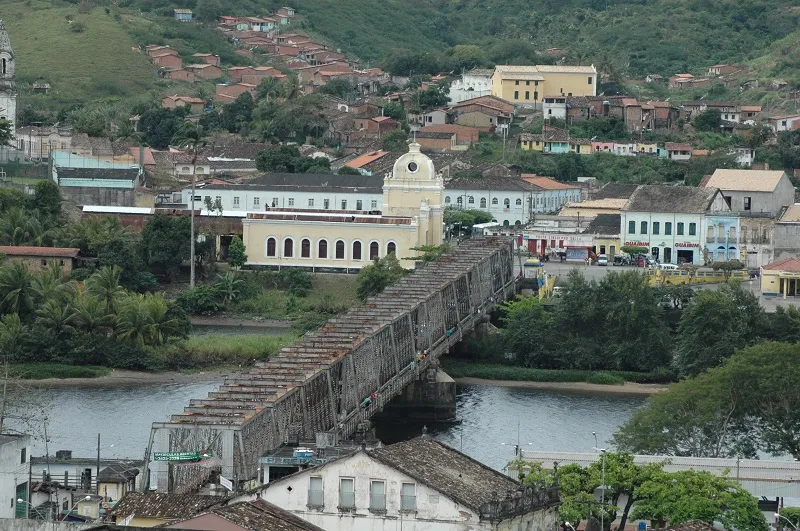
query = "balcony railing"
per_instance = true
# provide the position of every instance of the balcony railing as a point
(316, 498)
(347, 500)
(408, 503)
(377, 502)
(523, 501)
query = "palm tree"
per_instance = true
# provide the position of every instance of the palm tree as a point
(89, 314)
(11, 329)
(52, 284)
(16, 291)
(163, 325)
(292, 87)
(104, 284)
(134, 322)
(191, 136)
(56, 316)
(22, 227)
(269, 88)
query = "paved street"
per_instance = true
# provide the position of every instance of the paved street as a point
(596, 273)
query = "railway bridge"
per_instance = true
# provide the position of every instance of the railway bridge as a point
(339, 376)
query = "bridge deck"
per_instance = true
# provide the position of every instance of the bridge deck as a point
(348, 369)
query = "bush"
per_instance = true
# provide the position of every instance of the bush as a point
(77, 27)
(201, 300)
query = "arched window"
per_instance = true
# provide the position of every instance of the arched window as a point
(494, 201)
(322, 249)
(271, 244)
(373, 250)
(517, 223)
(305, 248)
(185, 169)
(505, 223)
(356, 250)
(447, 199)
(471, 200)
(459, 200)
(506, 202)
(391, 248)
(288, 248)
(519, 202)
(483, 202)
(340, 249)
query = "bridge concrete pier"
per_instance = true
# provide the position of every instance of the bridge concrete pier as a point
(429, 399)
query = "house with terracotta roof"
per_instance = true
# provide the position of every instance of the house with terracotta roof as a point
(677, 151)
(550, 195)
(228, 92)
(375, 127)
(628, 110)
(463, 136)
(173, 102)
(36, 258)
(367, 158)
(205, 70)
(781, 278)
(549, 141)
(785, 122)
(167, 60)
(179, 74)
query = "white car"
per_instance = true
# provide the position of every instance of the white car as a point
(602, 260)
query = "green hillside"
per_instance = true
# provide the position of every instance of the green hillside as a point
(94, 63)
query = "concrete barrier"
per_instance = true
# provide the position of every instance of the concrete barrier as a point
(23, 524)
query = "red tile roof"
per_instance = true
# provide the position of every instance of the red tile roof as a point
(363, 160)
(61, 252)
(677, 146)
(546, 183)
(787, 264)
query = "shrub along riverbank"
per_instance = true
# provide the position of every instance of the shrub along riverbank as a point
(496, 371)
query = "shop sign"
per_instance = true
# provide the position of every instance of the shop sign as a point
(687, 244)
(181, 456)
(637, 244)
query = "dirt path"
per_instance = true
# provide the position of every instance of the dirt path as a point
(573, 387)
(244, 323)
(119, 378)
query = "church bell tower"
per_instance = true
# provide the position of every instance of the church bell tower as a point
(8, 86)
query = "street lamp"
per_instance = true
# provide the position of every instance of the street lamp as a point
(779, 516)
(603, 480)
(85, 498)
(27, 511)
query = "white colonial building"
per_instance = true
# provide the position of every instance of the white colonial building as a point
(472, 84)
(417, 485)
(510, 200)
(673, 221)
(293, 191)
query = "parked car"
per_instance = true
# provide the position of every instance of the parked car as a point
(557, 291)
(621, 260)
(602, 260)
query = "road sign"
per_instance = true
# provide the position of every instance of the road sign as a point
(225, 482)
(181, 456)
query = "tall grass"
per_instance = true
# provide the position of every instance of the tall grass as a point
(219, 350)
(494, 371)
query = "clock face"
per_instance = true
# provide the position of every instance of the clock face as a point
(412, 167)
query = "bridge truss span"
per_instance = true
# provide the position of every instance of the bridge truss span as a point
(340, 375)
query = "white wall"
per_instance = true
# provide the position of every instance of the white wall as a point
(673, 241)
(515, 212)
(435, 511)
(300, 199)
(13, 471)
(470, 86)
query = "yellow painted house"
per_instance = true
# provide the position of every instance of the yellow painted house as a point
(528, 85)
(781, 278)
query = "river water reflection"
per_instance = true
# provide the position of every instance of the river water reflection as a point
(547, 420)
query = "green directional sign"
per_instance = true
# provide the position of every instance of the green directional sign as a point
(182, 456)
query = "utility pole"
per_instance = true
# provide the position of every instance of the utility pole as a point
(97, 476)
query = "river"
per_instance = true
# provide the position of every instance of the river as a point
(490, 416)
